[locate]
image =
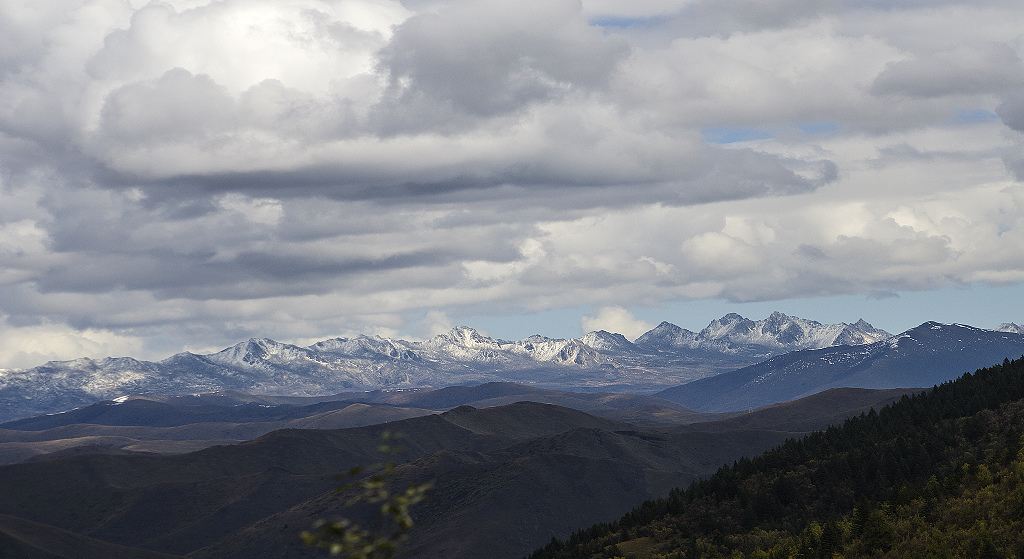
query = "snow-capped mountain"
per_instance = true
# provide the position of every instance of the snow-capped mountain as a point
(602, 340)
(921, 357)
(1010, 327)
(466, 344)
(665, 356)
(733, 334)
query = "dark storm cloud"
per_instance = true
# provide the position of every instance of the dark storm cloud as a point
(721, 174)
(172, 274)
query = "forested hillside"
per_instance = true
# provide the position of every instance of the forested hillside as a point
(939, 474)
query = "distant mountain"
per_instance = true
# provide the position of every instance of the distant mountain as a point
(733, 334)
(924, 356)
(1010, 327)
(667, 355)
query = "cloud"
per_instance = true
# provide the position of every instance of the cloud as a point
(177, 106)
(366, 100)
(616, 320)
(965, 70)
(434, 323)
(29, 345)
(184, 174)
(479, 59)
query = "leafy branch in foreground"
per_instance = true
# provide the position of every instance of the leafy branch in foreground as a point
(346, 538)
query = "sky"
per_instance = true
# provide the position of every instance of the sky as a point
(183, 175)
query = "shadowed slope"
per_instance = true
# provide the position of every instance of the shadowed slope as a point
(23, 539)
(813, 413)
(179, 503)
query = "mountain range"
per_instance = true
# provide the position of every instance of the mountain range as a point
(663, 357)
(924, 356)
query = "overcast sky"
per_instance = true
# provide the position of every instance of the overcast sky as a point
(187, 174)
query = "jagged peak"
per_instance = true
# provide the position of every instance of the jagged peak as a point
(1011, 327)
(467, 333)
(603, 339)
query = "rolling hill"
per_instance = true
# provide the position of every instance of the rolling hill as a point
(509, 476)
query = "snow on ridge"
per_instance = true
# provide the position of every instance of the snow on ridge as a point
(465, 343)
(733, 333)
(1011, 327)
(604, 340)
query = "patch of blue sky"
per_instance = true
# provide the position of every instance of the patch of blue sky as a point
(974, 115)
(732, 134)
(623, 22)
(977, 304)
(553, 323)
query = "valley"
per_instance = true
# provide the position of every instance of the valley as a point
(514, 473)
(235, 474)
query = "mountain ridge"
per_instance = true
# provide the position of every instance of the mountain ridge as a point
(923, 356)
(598, 360)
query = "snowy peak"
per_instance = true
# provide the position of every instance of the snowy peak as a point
(463, 343)
(783, 332)
(731, 325)
(860, 333)
(467, 344)
(603, 340)
(461, 337)
(257, 352)
(1010, 327)
(366, 347)
(667, 335)
(575, 352)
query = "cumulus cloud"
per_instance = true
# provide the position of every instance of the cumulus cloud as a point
(617, 320)
(29, 345)
(186, 173)
(479, 59)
